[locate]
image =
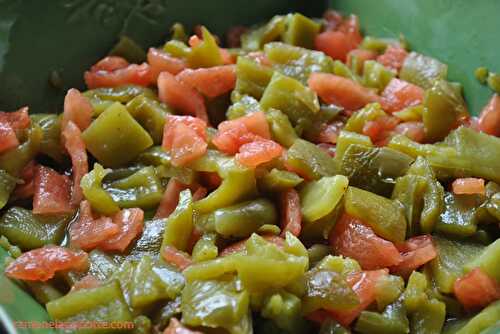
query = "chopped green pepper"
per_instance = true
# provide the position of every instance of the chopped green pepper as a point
(278, 180)
(128, 49)
(285, 310)
(102, 98)
(392, 321)
(252, 78)
(150, 114)
(428, 318)
(347, 138)
(179, 224)
(14, 160)
(487, 260)
(388, 288)
(376, 75)
(459, 218)
(256, 38)
(179, 32)
(422, 70)
(310, 160)
(178, 49)
(409, 190)
(415, 293)
(7, 185)
(99, 199)
(282, 130)
(205, 54)
(242, 105)
(483, 320)
(494, 82)
(357, 121)
(51, 140)
(300, 31)
(205, 248)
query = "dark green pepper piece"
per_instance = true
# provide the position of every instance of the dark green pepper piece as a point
(205, 54)
(99, 199)
(149, 243)
(14, 160)
(282, 130)
(179, 224)
(310, 160)
(422, 70)
(428, 318)
(150, 114)
(127, 48)
(102, 265)
(317, 252)
(252, 78)
(278, 180)
(255, 39)
(7, 185)
(51, 141)
(487, 260)
(392, 321)
(458, 218)
(301, 31)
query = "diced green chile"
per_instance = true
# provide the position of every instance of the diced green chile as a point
(392, 321)
(310, 160)
(128, 49)
(409, 190)
(205, 248)
(388, 288)
(102, 98)
(255, 39)
(99, 199)
(483, 320)
(251, 77)
(179, 224)
(357, 121)
(43, 292)
(487, 260)
(150, 114)
(7, 185)
(422, 70)
(51, 140)
(428, 318)
(205, 54)
(458, 218)
(278, 180)
(284, 309)
(375, 75)
(301, 31)
(243, 105)
(282, 130)
(14, 160)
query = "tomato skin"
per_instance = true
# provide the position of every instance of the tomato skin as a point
(212, 81)
(468, 185)
(77, 109)
(240, 245)
(415, 252)
(8, 139)
(476, 289)
(291, 216)
(258, 152)
(52, 192)
(381, 128)
(175, 327)
(161, 61)
(335, 44)
(187, 146)
(110, 63)
(413, 130)
(393, 57)
(489, 119)
(196, 124)
(42, 263)
(399, 94)
(130, 225)
(337, 90)
(176, 257)
(351, 238)
(181, 96)
(18, 119)
(27, 189)
(132, 74)
(75, 146)
(170, 198)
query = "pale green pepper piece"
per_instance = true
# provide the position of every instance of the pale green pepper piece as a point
(458, 218)
(179, 32)
(301, 31)
(278, 180)
(115, 137)
(142, 325)
(487, 260)
(102, 265)
(102, 98)
(7, 185)
(494, 82)
(14, 160)
(319, 198)
(422, 70)
(392, 321)
(310, 160)
(251, 77)
(388, 288)
(428, 318)
(51, 141)
(150, 114)
(242, 105)
(317, 252)
(99, 199)
(256, 38)
(410, 114)
(375, 75)
(205, 54)
(282, 130)
(341, 265)
(149, 243)
(384, 216)
(341, 69)
(376, 44)
(179, 224)
(205, 248)
(357, 121)
(285, 310)
(483, 320)
(415, 293)
(43, 292)
(176, 48)
(347, 138)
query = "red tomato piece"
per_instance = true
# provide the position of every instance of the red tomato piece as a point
(330, 132)
(175, 327)
(335, 44)
(258, 152)
(89, 281)
(187, 145)
(291, 216)
(27, 189)
(52, 192)
(198, 125)
(212, 81)
(200, 193)
(176, 257)
(8, 139)
(87, 232)
(76, 109)
(361, 55)
(18, 120)
(415, 252)
(341, 91)
(181, 96)
(489, 120)
(110, 63)
(468, 185)
(256, 123)
(399, 94)
(380, 128)
(351, 238)
(74, 144)
(476, 289)
(413, 130)
(393, 57)
(132, 74)
(161, 61)
(130, 224)
(42, 263)
(240, 245)
(170, 198)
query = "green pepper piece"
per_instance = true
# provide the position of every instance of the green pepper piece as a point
(142, 189)
(129, 49)
(102, 265)
(142, 325)
(30, 231)
(243, 219)
(317, 252)
(347, 138)
(483, 320)
(331, 326)
(171, 309)
(409, 191)
(251, 77)
(179, 224)
(51, 141)
(376, 44)
(278, 180)
(341, 69)
(443, 107)
(255, 39)
(410, 114)
(357, 121)
(428, 318)
(205, 248)
(104, 303)
(149, 243)
(99, 199)
(392, 321)
(285, 310)
(150, 114)
(458, 218)
(242, 105)
(487, 260)
(297, 62)
(7, 185)
(415, 293)
(13, 251)
(205, 54)
(102, 98)
(494, 82)
(374, 169)
(341, 265)
(481, 74)
(297, 101)
(178, 49)
(319, 198)
(301, 31)
(422, 70)
(282, 130)
(214, 304)
(43, 292)
(179, 32)
(449, 264)
(115, 137)
(310, 160)
(14, 160)
(384, 216)
(388, 288)
(376, 75)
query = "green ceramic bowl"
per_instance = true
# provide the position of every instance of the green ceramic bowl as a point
(43, 39)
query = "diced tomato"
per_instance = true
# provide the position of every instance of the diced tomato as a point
(198, 125)
(87, 232)
(74, 144)
(42, 263)
(240, 245)
(181, 96)
(335, 44)
(194, 40)
(333, 19)
(175, 327)
(110, 63)
(351, 238)
(393, 57)
(89, 281)
(130, 224)
(256, 123)
(52, 192)
(227, 59)
(361, 55)
(258, 152)
(161, 61)
(468, 185)
(76, 109)
(415, 252)
(399, 94)
(380, 128)
(476, 289)
(212, 81)
(291, 216)
(341, 91)
(200, 193)
(18, 120)
(328, 148)
(27, 189)
(132, 74)
(187, 145)
(489, 120)
(176, 257)
(413, 130)
(8, 139)
(363, 283)
(330, 132)
(170, 198)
